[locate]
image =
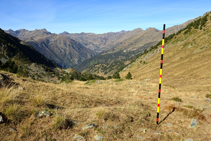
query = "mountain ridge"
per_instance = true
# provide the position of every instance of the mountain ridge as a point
(64, 51)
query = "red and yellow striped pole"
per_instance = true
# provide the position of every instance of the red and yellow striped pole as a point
(161, 67)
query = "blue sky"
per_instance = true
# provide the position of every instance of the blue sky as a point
(98, 16)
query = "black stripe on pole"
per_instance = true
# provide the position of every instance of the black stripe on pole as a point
(161, 56)
(164, 26)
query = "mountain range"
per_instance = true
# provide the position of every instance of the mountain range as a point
(89, 52)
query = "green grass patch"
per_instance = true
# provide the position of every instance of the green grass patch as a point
(119, 80)
(188, 106)
(90, 81)
(66, 81)
(169, 86)
(177, 99)
(208, 96)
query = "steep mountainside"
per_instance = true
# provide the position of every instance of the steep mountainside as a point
(110, 61)
(70, 50)
(186, 56)
(61, 49)
(18, 57)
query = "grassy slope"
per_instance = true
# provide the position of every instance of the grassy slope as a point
(186, 56)
(130, 104)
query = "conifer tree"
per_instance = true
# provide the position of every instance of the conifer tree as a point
(129, 76)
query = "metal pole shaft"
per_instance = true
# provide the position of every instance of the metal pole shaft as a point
(161, 67)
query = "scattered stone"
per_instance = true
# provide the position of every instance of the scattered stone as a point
(105, 127)
(12, 129)
(98, 82)
(195, 96)
(3, 118)
(79, 138)
(140, 137)
(44, 114)
(98, 137)
(208, 100)
(116, 127)
(178, 133)
(89, 126)
(20, 88)
(169, 131)
(158, 133)
(143, 130)
(168, 124)
(194, 123)
(75, 122)
(189, 139)
(83, 106)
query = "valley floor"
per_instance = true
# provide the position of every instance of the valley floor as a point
(117, 109)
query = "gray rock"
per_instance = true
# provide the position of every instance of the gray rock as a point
(178, 133)
(12, 129)
(98, 137)
(195, 96)
(98, 82)
(189, 139)
(105, 127)
(158, 133)
(44, 114)
(168, 124)
(20, 88)
(1, 119)
(208, 100)
(194, 123)
(116, 127)
(89, 126)
(79, 138)
(75, 122)
(140, 138)
(169, 131)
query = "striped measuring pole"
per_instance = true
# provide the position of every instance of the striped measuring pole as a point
(161, 67)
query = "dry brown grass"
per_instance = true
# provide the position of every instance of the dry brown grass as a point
(118, 109)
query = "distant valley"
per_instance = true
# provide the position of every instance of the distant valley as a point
(94, 53)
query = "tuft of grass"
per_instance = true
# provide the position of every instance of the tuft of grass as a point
(61, 122)
(26, 131)
(90, 81)
(169, 86)
(12, 111)
(208, 96)
(66, 81)
(100, 114)
(188, 106)
(38, 101)
(58, 121)
(192, 113)
(119, 80)
(5, 97)
(177, 99)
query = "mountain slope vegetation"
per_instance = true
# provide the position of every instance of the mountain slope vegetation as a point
(108, 62)
(64, 51)
(186, 55)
